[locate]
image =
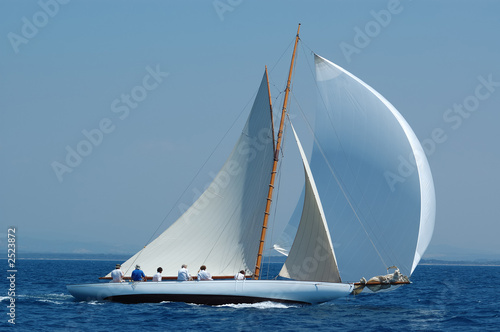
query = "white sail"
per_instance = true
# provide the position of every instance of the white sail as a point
(376, 184)
(311, 257)
(222, 228)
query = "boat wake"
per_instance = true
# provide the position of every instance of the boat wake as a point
(49, 301)
(54, 298)
(57, 298)
(96, 302)
(260, 305)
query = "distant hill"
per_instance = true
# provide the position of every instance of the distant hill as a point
(458, 262)
(446, 253)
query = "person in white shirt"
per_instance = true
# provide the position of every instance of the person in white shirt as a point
(157, 276)
(203, 274)
(117, 274)
(240, 275)
(183, 274)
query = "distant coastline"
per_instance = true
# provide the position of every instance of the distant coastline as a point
(74, 257)
(121, 257)
(459, 263)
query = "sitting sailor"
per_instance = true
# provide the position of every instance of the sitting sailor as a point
(203, 274)
(240, 275)
(117, 274)
(138, 274)
(157, 276)
(183, 274)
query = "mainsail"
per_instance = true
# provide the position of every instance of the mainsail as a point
(376, 185)
(222, 228)
(311, 257)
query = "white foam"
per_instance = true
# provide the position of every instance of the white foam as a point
(95, 303)
(50, 301)
(260, 305)
(58, 295)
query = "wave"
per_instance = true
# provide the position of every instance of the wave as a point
(460, 321)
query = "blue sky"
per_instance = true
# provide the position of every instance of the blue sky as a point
(66, 68)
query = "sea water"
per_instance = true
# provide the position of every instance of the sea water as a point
(441, 298)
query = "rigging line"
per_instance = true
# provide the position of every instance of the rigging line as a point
(277, 97)
(193, 179)
(277, 191)
(274, 85)
(390, 253)
(284, 141)
(304, 43)
(283, 54)
(278, 61)
(280, 91)
(277, 152)
(276, 201)
(275, 208)
(269, 226)
(289, 109)
(339, 183)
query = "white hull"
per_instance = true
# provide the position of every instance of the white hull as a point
(213, 292)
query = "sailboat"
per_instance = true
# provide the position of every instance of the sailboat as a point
(368, 206)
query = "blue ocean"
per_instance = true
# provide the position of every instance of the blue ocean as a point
(441, 298)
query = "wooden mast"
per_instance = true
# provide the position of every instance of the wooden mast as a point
(256, 275)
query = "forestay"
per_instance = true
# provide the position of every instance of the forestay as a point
(375, 181)
(222, 228)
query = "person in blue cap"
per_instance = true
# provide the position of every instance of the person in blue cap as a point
(138, 274)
